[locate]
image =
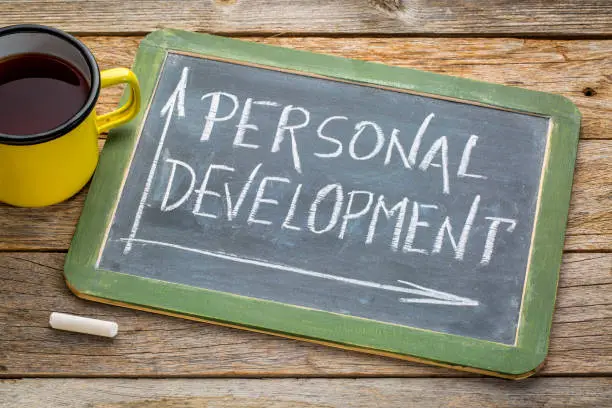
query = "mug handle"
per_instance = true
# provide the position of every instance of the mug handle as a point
(116, 76)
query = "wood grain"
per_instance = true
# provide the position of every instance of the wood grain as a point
(307, 393)
(589, 226)
(569, 68)
(425, 17)
(564, 67)
(31, 287)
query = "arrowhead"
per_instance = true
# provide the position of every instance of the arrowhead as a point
(178, 96)
(432, 296)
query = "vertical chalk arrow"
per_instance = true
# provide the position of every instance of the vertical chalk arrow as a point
(176, 100)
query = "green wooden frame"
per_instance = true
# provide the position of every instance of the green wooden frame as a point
(371, 336)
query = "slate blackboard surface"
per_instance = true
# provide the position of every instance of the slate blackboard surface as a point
(509, 153)
(349, 203)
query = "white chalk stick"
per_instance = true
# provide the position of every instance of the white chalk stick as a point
(63, 321)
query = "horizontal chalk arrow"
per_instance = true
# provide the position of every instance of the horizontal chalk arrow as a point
(428, 296)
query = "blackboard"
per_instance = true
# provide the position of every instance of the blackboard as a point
(308, 229)
(327, 191)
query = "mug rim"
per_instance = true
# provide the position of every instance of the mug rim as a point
(77, 118)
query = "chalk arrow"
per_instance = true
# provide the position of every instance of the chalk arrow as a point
(427, 296)
(177, 99)
(435, 296)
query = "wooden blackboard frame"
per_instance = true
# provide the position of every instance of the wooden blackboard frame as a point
(517, 361)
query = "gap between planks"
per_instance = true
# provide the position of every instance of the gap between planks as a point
(389, 36)
(421, 17)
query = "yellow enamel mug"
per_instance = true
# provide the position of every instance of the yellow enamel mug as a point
(49, 167)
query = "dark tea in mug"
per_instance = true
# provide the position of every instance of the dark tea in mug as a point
(49, 128)
(38, 92)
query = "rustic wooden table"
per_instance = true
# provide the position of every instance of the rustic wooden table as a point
(562, 46)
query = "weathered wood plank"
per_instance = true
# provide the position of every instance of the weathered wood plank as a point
(569, 68)
(592, 184)
(589, 226)
(440, 17)
(565, 67)
(303, 393)
(31, 287)
(582, 243)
